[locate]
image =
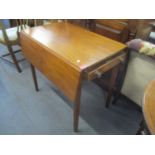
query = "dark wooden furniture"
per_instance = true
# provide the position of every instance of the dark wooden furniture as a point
(67, 54)
(122, 30)
(85, 23)
(117, 29)
(144, 28)
(30, 22)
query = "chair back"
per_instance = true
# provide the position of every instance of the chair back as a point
(144, 29)
(21, 24)
(116, 29)
(3, 29)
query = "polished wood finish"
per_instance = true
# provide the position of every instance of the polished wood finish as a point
(72, 43)
(64, 53)
(75, 48)
(105, 67)
(80, 22)
(77, 106)
(116, 29)
(144, 28)
(64, 75)
(122, 30)
(117, 24)
(149, 106)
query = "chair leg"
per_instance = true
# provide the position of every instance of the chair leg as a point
(141, 128)
(14, 59)
(34, 77)
(116, 98)
(112, 84)
(121, 78)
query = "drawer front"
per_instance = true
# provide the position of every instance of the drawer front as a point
(97, 72)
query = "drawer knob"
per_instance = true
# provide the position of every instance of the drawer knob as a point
(98, 74)
(121, 60)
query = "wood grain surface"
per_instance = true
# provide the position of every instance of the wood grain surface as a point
(149, 106)
(75, 45)
(62, 51)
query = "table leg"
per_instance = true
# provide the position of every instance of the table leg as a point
(77, 110)
(76, 115)
(34, 77)
(114, 74)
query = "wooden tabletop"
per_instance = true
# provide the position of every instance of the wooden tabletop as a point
(149, 106)
(62, 52)
(76, 46)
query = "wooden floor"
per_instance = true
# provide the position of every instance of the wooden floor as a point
(24, 111)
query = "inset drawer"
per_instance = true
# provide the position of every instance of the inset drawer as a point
(97, 72)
